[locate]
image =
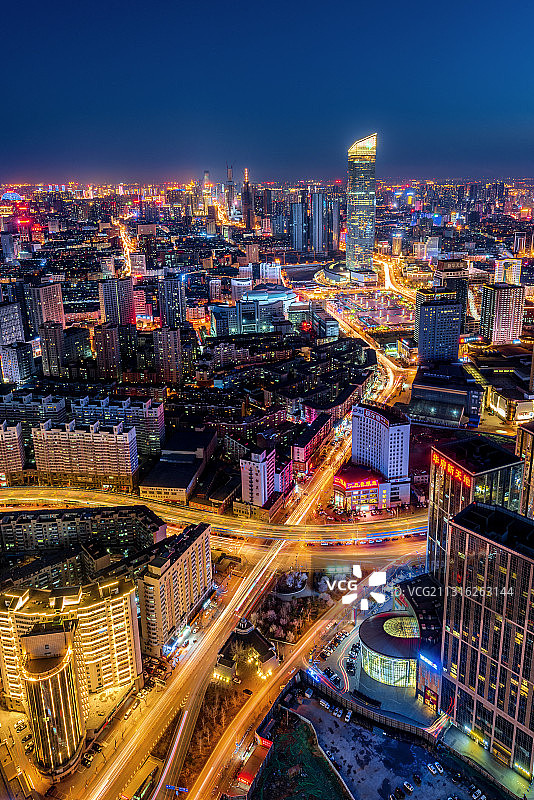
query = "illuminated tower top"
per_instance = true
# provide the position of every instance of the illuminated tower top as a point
(361, 202)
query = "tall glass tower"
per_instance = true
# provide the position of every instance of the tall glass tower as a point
(361, 203)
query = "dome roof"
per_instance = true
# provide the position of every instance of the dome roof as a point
(13, 197)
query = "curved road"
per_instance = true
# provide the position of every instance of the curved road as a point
(180, 515)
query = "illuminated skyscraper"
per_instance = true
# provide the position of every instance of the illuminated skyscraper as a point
(361, 203)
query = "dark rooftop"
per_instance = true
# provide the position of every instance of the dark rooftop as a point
(477, 454)
(505, 528)
(376, 638)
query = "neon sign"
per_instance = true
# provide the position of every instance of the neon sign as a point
(451, 469)
(371, 484)
(428, 661)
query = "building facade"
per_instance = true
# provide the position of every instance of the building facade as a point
(461, 472)
(488, 634)
(257, 476)
(92, 456)
(361, 203)
(172, 588)
(501, 312)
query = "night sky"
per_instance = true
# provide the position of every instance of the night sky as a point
(160, 91)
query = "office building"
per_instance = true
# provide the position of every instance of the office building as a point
(144, 414)
(230, 190)
(361, 203)
(487, 685)
(55, 692)
(11, 327)
(257, 476)
(437, 325)
(501, 312)
(108, 352)
(172, 588)
(17, 362)
(270, 273)
(45, 305)
(396, 244)
(172, 305)
(92, 456)
(117, 301)
(52, 338)
(168, 355)
(215, 288)
(462, 472)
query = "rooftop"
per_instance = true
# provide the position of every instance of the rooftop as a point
(476, 454)
(505, 528)
(375, 636)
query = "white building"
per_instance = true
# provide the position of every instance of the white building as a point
(381, 441)
(239, 287)
(257, 476)
(270, 273)
(173, 586)
(11, 329)
(11, 453)
(508, 270)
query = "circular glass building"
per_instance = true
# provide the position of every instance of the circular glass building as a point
(390, 643)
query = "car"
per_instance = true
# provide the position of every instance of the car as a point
(399, 794)
(408, 787)
(456, 777)
(97, 747)
(128, 714)
(432, 769)
(28, 749)
(417, 779)
(235, 679)
(476, 794)
(26, 738)
(247, 692)
(348, 715)
(438, 767)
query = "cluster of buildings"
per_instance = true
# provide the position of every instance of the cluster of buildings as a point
(92, 592)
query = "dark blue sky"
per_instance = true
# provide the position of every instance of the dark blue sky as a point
(163, 90)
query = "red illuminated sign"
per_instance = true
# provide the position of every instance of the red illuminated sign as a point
(358, 485)
(265, 742)
(451, 469)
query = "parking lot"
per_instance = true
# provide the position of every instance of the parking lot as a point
(375, 765)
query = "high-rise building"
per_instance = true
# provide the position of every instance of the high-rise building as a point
(524, 448)
(361, 203)
(108, 352)
(487, 684)
(381, 441)
(55, 692)
(172, 304)
(46, 305)
(91, 456)
(298, 227)
(257, 476)
(215, 287)
(270, 273)
(17, 362)
(12, 457)
(168, 355)
(438, 321)
(11, 327)
(117, 301)
(103, 653)
(508, 270)
(462, 472)
(247, 204)
(319, 222)
(230, 190)
(144, 414)
(173, 587)
(52, 337)
(239, 287)
(501, 312)
(396, 244)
